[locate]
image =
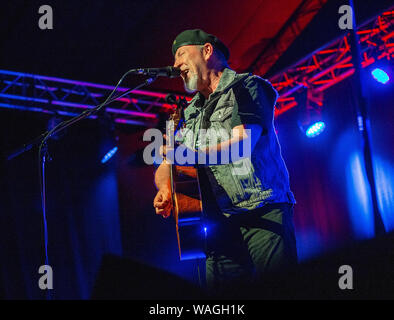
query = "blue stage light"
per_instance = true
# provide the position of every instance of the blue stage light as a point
(380, 75)
(315, 129)
(109, 155)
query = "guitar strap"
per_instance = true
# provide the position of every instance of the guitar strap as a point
(236, 81)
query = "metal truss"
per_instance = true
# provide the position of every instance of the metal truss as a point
(333, 63)
(65, 97)
(317, 72)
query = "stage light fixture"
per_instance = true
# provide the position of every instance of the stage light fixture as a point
(311, 121)
(109, 155)
(315, 129)
(380, 75)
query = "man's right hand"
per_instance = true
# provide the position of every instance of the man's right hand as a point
(163, 203)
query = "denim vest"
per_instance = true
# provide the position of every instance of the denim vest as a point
(251, 182)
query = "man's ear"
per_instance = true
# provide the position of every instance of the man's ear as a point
(207, 51)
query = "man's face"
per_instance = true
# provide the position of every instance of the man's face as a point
(190, 60)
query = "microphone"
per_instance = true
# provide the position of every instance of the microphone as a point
(169, 71)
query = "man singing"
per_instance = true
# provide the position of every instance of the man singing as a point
(247, 200)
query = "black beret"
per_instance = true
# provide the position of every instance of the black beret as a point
(198, 37)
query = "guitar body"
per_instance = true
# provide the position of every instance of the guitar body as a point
(188, 213)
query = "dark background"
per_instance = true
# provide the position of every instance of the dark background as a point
(95, 209)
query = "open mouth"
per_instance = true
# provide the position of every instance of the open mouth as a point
(185, 73)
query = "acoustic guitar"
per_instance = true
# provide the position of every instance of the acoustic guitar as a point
(186, 199)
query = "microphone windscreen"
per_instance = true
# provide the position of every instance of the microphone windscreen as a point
(171, 98)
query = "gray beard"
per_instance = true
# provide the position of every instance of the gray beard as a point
(191, 84)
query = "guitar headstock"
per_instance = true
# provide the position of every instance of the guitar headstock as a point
(177, 115)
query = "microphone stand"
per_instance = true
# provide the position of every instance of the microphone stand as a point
(43, 155)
